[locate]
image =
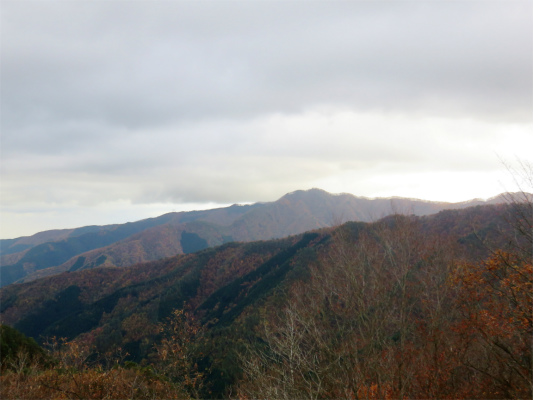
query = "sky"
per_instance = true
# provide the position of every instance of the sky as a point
(115, 111)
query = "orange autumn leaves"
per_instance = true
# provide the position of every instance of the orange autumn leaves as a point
(395, 314)
(495, 334)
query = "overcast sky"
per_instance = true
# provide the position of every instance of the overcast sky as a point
(114, 111)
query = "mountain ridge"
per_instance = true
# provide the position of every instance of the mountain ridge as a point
(229, 289)
(182, 232)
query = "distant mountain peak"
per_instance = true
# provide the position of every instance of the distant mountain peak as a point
(308, 192)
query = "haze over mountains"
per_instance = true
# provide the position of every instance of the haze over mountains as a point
(51, 252)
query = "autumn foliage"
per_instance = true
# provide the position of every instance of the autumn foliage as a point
(71, 371)
(405, 307)
(495, 333)
(393, 314)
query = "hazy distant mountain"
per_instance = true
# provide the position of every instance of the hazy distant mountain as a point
(51, 252)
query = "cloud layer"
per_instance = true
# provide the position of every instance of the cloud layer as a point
(151, 103)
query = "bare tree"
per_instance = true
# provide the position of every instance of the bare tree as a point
(348, 332)
(521, 205)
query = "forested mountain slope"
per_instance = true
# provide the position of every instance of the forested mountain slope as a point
(52, 252)
(240, 294)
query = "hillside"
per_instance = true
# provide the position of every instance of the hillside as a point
(52, 252)
(232, 287)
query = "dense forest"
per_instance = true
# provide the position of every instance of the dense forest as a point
(436, 306)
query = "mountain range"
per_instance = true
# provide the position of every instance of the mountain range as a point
(52, 252)
(233, 288)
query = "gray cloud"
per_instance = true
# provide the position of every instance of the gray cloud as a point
(153, 102)
(138, 63)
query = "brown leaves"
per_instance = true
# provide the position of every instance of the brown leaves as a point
(496, 300)
(71, 376)
(88, 384)
(176, 352)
